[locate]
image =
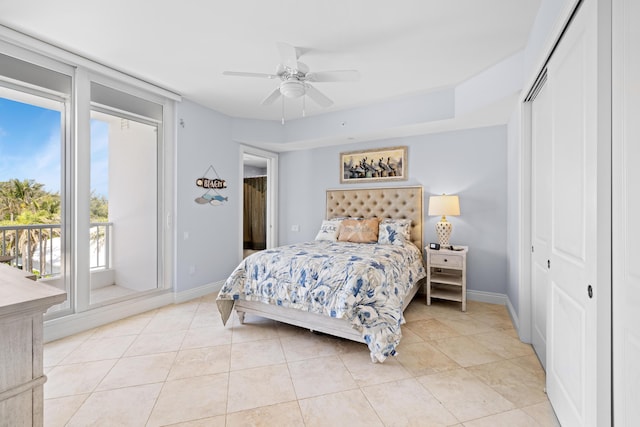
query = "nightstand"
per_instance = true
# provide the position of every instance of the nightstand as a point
(447, 275)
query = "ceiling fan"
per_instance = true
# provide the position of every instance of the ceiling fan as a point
(295, 78)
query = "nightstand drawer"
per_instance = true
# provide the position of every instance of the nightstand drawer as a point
(446, 261)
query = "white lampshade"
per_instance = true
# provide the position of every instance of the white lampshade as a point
(444, 205)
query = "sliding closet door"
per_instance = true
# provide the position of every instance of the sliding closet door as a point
(626, 212)
(572, 333)
(541, 190)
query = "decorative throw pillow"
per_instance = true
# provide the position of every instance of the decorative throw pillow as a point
(359, 230)
(329, 230)
(394, 232)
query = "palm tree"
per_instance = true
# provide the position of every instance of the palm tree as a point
(17, 196)
(98, 208)
(9, 205)
(26, 203)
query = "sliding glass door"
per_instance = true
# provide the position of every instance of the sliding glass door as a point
(124, 232)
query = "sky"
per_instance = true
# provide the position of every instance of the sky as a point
(30, 146)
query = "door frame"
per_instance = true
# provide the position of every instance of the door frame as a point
(625, 280)
(535, 252)
(271, 226)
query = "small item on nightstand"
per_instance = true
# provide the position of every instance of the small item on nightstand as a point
(434, 246)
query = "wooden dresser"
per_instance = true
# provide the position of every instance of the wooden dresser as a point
(22, 304)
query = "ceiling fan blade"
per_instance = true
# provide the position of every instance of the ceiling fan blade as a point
(288, 55)
(333, 76)
(243, 74)
(318, 97)
(275, 94)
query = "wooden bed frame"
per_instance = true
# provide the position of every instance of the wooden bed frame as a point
(384, 202)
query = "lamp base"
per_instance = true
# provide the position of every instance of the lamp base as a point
(443, 231)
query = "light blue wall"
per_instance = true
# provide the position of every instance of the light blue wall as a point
(470, 163)
(513, 210)
(212, 248)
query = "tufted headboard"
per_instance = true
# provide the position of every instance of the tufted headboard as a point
(391, 202)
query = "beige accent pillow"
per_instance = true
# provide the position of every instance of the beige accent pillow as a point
(359, 230)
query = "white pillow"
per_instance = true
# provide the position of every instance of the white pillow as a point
(394, 232)
(329, 230)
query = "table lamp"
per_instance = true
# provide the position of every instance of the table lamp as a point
(444, 205)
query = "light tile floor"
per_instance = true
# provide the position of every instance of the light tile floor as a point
(179, 366)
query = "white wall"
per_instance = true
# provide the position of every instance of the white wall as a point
(470, 163)
(210, 250)
(253, 171)
(133, 204)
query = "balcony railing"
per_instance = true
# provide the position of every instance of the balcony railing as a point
(37, 247)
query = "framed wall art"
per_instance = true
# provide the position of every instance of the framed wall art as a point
(379, 164)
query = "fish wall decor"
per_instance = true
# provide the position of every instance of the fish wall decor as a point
(212, 196)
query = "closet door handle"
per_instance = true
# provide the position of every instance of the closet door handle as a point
(548, 263)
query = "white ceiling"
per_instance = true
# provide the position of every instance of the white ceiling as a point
(400, 47)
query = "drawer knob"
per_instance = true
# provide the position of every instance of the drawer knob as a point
(445, 260)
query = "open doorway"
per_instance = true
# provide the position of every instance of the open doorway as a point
(254, 213)
(259, 175)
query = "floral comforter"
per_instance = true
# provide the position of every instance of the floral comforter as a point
(363, 283)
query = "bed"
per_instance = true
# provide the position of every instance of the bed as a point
(377, 281)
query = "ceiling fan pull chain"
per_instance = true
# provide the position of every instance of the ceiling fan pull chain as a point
(283, 111)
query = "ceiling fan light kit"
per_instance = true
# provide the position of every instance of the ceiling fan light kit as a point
(292, 88)
(295, 78)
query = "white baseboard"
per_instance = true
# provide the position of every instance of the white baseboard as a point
(514, 316)
(79, 322)
(495, 298)
(74, 323)
(488, 297)
(198, 292)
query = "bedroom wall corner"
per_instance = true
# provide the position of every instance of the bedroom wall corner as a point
(206, 236)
